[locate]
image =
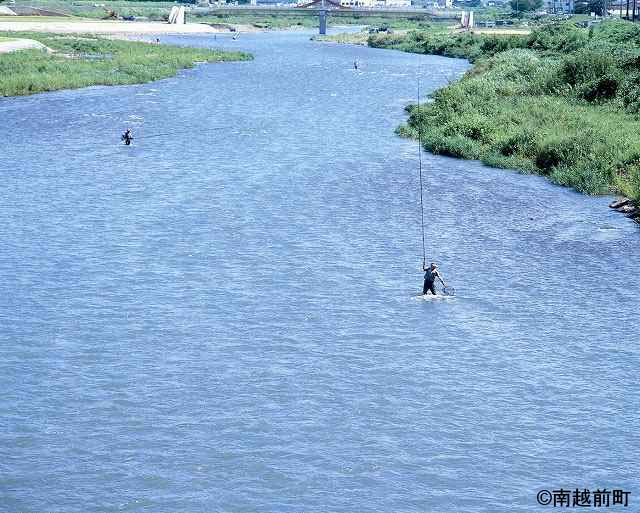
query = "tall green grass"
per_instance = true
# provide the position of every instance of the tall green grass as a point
(90, 60)
(562, 102)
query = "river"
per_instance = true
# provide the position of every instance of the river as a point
(222, 317)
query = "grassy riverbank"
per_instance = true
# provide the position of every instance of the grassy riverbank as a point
(91, 60)
(352, 38)
(392, 39)
(562, 102)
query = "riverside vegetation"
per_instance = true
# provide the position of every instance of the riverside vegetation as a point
(563, 102)
(91, 60)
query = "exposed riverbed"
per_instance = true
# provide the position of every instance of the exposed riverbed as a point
(224, 320)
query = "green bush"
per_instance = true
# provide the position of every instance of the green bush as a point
(561, 102)
(583, 65)
(601, 88)
(631, 186)
(629, 92)
(558, 38)
(513, 162)
(460, 146)
(554, 152)
(591, 177)
(524, 144)
(617, 33)
(472, 126)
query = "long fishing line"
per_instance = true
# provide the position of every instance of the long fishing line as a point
(174, 133)
(424, 251)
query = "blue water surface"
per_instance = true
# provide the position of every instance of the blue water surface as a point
(222, 317)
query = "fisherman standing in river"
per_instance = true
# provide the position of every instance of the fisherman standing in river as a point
(127, 137)
(431, 273)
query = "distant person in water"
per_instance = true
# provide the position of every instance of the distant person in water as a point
(127, 137)
(355, 64)
(431, 274)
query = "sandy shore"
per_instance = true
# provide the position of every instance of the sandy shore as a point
(20, 44)
(107, 27)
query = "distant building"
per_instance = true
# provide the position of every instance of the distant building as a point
(559, 6)
(435, 4)
(381, 4)
(358, 3)
(393, 3)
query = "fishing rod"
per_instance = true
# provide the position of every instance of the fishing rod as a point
(424, 251)
(174, 133)
(447, 291)
(128, 138)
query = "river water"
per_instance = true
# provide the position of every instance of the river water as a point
(225, 320)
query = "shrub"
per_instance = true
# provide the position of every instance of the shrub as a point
(601, 88)
(627, 178)
(632, 189)
(513, 162)
(558, 37)
(524, 144)
(592, 177)
(515, 65)
(629, 92)
(566, 150)
(617, 33)
(461, 147)
(582, 66)
(496, 44)
(472, 126)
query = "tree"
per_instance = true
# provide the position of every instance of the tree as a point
(525, 5)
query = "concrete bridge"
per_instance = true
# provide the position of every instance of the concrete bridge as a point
(326, 8)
